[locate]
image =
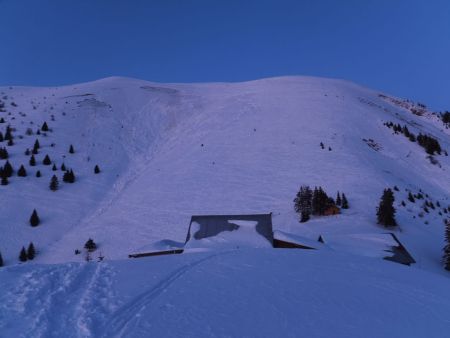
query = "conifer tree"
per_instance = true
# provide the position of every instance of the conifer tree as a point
(44, 127)
(320, 201)
(344, 202)
(386, 210)
(34, 219)
(36, 144)
(302, 203)
(10, 143)
(54, 184)
(8, 169)
(90, 245)
(47, 160)
(38, 173)
(63, 167)
(54, 167)
(23, 255)
(27, 152)
(69, 176)
(22, 172)
(446, 258)
(4, 180)
(72, 176)
(3, 154)
(96, 169)
(71, 150)
(411, 197)
(32, 161)
(31, 252)
(338, 199)
(8, 134)
(1, 260)
(1, 137)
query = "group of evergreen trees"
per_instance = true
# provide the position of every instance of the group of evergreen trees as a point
(446, 258)
(446, 117)
(27, 254)
(429, 143)
(5, 172)
(316, 202)
(398, 129)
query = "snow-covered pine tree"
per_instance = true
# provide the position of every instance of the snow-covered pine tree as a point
(71, 150)
(386, 210)
(338, 199)
(47, 160)
(69, 176)
(23, 255)
(54, 184)
(32, 161)
(8, 169)
(302, 203)
(31, 252)
(44, 127)
(90, 245)
(4, 180)
(320, 201)
(3, 154)
(34, 219)
(344, 202)
(22, 172)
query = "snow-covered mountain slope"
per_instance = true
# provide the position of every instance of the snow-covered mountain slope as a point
(240, 293)
(168, 151)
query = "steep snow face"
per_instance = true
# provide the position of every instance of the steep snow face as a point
(238, 293)
(169, 151)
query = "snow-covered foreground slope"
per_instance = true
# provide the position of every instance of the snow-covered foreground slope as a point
(168, 151)
(241, 293)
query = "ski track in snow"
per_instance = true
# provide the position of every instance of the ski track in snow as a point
(44, 300)
(128, 317)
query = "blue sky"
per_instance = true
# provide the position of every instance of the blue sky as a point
(398, 46)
